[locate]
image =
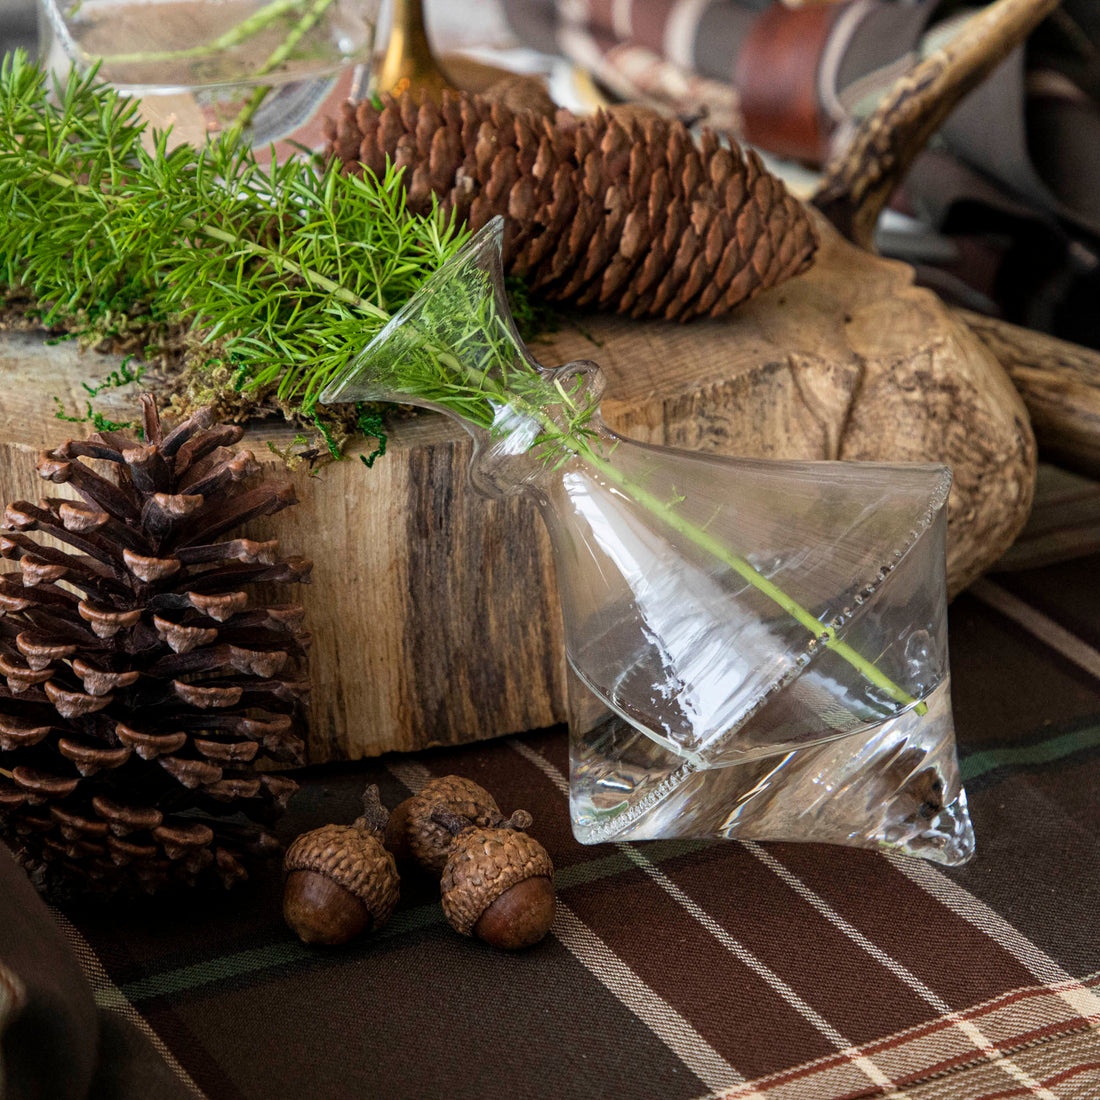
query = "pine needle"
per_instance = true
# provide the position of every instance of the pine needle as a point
(288, 269)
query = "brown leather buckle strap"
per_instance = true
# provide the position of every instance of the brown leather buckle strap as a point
(776, 76)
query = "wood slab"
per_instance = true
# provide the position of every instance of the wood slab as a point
(434, 612)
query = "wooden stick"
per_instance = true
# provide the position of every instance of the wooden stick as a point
(1060, 385)
(859, 183)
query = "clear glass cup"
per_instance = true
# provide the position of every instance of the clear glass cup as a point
(757, 649)
(273, 68)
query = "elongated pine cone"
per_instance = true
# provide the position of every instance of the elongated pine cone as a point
(632, 216)
(139, 687)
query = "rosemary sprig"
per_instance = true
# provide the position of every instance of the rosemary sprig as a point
(292, 268)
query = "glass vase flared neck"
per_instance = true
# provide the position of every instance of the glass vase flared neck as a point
(454, 348)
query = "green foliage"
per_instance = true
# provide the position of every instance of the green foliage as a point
(292, 269)
(117, 378)
(97, 420)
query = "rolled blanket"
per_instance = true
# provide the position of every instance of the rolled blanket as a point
(56, 1043)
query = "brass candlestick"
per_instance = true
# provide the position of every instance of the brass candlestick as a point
(409, 64)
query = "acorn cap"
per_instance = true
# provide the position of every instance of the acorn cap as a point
(484, 864)
(353, 857)
(429, 842)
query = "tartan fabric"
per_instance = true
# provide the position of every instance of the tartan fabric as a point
(675, 970)
(684, 53)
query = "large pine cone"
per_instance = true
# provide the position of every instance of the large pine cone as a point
(621, 215)
(139, 688)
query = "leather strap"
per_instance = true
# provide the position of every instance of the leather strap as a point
(776, 76)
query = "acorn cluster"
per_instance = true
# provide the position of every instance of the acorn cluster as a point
(496, 882)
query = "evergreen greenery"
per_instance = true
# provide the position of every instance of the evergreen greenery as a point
(286, 271)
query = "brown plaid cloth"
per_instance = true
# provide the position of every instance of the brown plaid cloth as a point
(675, 970)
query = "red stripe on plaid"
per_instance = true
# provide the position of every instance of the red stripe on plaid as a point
(1049, 1082)
(1010, 1037)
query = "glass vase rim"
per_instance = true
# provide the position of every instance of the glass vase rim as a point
(489, 238)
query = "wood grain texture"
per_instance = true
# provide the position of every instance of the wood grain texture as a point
(434, 612)
(1060, 385)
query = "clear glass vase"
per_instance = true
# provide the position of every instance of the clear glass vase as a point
(757, 649)
(272, 67)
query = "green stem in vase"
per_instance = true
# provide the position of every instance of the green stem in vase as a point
(284, 50)
(240, 32)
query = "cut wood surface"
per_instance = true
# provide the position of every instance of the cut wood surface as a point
(434, 612)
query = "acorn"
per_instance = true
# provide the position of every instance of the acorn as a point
(413, 835)
(341, 881)
(498, 882)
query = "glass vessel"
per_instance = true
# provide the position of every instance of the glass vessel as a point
(757, 649)
(202, 66)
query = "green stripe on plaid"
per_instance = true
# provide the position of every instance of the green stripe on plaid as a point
(226, 967)
(1047, 751)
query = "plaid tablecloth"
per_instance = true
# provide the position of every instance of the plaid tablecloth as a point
(674, 971)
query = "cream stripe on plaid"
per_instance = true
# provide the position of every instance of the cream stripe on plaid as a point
(926, 1051)
(109, 996)
(735, 947)
(1038, 624)
(634, 994)
(622, 18)
(928, 995)
(964, 904)
(680, 27)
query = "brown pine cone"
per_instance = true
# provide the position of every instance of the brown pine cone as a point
(632, 216)
(139, 689)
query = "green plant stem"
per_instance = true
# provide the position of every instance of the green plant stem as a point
(581, 446)
(284, 50)
(314, 278)
(743, 568)
(240, 32)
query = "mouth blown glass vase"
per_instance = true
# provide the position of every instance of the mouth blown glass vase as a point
(202, 67)
(757, 649)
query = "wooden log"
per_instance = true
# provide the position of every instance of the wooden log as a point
(434, 612)
(1060, 385)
